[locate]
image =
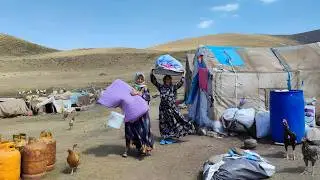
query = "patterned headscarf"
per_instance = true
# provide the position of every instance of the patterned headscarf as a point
(136, 85)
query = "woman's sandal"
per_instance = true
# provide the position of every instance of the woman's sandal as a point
(125, 155)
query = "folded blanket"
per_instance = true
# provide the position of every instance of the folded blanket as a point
(118, 95)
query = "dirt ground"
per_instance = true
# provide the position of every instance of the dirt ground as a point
(101, 147)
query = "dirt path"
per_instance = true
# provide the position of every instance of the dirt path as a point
(101, 148)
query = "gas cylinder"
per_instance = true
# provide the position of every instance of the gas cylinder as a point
(34, 161)
(46, 137)
(20, 141)
(10, 160)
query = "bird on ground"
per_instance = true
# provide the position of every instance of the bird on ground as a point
(310, 153)
(290, 139)
(73, 159)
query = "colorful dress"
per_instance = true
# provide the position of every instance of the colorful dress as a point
(172, 123)
(138, 132)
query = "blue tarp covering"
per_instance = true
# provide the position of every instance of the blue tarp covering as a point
(75, 96)
(194, 83)
(226, 54)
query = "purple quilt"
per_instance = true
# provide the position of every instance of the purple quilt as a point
(118, 95)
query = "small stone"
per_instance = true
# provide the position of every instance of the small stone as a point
(202, 132)
(232, 134)
(212, 134)
(313, 135)
(250, 143)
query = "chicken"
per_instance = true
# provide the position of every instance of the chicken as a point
(71, 122)
(71, 116)
(290, 139)
(310, 153)
(65, 115)
(73, 158)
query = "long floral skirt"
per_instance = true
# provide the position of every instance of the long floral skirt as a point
(138, 133)
(172, 123)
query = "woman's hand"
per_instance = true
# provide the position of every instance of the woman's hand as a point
(134, 92)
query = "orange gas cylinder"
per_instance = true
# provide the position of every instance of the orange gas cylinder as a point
(34, 161)
(10, 159)
(47, 138)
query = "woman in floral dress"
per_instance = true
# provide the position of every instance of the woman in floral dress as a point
(172, 123)
(139, 133)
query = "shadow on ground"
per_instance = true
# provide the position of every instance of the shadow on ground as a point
(200, 175)
(105, 150)
(292, 170)
(279, 155)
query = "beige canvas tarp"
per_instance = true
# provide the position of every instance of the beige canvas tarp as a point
(12, 107)
(264, 69)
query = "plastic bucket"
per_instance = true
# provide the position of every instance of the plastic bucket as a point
(115, 120)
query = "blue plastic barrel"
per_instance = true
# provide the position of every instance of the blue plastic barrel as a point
(287, 105)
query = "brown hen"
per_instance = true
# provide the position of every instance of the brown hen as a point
(73, 158)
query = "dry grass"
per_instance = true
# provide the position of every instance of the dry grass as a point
(24, 65)
(226, 40)
(12, 46)
(74, 69)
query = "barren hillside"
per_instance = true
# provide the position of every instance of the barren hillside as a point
(226, 40)
(306, 37)
(25, 65)
(12, 46)
(74, 69)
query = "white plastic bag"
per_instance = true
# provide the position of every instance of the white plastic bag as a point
(263, 123)
(217, 126)
(245, 117)
(310, 115)
(115, 120)
(229, 114)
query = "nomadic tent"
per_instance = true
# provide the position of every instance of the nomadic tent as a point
(250, 73)
(11, 107)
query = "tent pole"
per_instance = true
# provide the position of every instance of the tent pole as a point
(235, 72)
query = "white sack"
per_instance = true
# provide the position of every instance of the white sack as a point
(245, 117)
(262, 123)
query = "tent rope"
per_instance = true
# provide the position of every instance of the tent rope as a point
(229, 59)
(285, 66)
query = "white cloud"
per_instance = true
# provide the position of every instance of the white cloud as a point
(227, 7)
(205, 24)
(227, 15)
(235, 15)
(268, 1)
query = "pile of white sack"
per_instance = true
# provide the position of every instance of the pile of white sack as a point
(240, 120)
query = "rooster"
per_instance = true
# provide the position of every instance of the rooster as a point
(73, 158)
(310, 153)
(290, 139)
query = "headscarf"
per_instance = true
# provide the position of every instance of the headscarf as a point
(136, 85)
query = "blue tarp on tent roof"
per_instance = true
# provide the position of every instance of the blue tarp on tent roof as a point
(225, 55)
